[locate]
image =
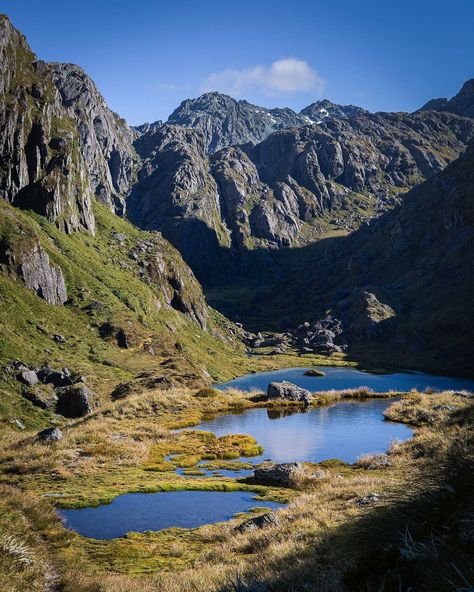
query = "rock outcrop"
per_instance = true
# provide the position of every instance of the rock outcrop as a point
(176, 195)
(40, 166)
(105, 139)
(49, 435)
(320, 110)
(21, 254)
(60, 143)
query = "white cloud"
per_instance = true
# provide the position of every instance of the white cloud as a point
(282, 77)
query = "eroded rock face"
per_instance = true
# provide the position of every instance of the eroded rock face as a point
(45, 279)
(105, 139)
(160, 264)
(24, 257)
(249, 209)
(348, 167)
(60, 143)
(289, 391)
(176, 195)
(39, 166)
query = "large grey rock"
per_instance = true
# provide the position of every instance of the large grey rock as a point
(27, 260)
(288, 391)
(49, 435)
(262, 521)
(40, 275)
(58, 378)
(75, 401)
(28, 377)
(283, 474)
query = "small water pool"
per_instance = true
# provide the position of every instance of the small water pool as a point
(344, 430)
(140, 512)
(344, 378)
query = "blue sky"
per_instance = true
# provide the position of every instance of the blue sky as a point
(147, 56)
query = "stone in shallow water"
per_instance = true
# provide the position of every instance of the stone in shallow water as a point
(289, 391)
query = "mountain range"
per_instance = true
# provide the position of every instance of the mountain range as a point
(331, 209)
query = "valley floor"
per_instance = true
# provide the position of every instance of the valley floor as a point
(384, 523)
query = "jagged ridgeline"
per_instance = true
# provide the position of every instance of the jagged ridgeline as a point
(80, 286)
(241, 182)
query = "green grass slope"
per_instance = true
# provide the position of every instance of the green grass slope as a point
(163, 340)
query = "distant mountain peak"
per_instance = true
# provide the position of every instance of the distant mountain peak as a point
(226, 121)
(321, 110)
(461, 104)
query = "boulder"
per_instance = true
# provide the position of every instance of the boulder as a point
(288, 391)
(28, 377)
(74, 401)
(58, 378)
(283, 474)
(50, 435)
(262, 521)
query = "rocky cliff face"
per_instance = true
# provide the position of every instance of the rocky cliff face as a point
(176, 194)
(290, 188)
(461, 104)
(381, 154)
(40, 164)
(60, 144)
(404, 282)
(105, 138)
(23, 257)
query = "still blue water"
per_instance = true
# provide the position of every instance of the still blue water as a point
(344, 378)
(140, 512)
(344, 431)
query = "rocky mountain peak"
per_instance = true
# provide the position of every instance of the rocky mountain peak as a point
(461, 104)
(324, 109)
(225, 121)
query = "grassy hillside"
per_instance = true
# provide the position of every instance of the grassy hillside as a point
(161, 340)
